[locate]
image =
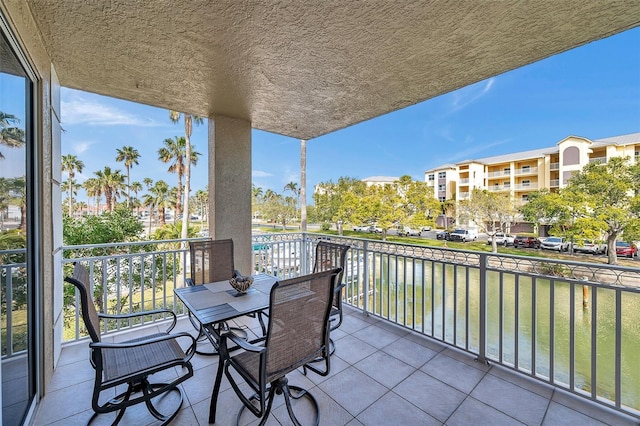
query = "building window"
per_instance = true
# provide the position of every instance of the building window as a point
(442, 187)
(442, 175)
(432, 176)
(506, 170)
(571, 156)
(525, 198)
(526, 183)
(526, 169)
(442, 199)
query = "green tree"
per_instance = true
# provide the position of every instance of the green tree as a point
(93, 189)
(280, 209)
(612, 193)
(111, 183)
(256, 199)
(417, 202)
(493, 212)
(335, 202)
(189, 121)
(71, 164)
(10, 135)
(129, 156)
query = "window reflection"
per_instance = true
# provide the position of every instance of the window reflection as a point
(17, 372)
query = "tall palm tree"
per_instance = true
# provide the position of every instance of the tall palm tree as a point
(93, 189)
(111, 183)
(256, 197)
(10, 135)
(202, 200)
(17, 189)
(129, 156)
(71, 164)
(189, 120)
(174, 153)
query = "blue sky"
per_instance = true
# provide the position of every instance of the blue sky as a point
(591, 91)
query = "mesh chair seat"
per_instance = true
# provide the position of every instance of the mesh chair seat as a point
(298, 333)
(133, 361)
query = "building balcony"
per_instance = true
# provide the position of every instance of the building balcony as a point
(525, 186)
(504, 310)
(501, 173)
(464, 181)
(463, 195)
(554, 183)
(526, 171)
(554, 166)
(496, 188)
(601, 160)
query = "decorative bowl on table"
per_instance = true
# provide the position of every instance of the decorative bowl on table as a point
(241, 284)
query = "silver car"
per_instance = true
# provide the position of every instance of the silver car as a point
(558, 244)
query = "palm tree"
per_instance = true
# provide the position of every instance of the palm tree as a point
(93, 189)
(174, 153)
(18, 193)
(136, 187)
(189, 120)
(157, 198)
(202, 200)
(71, 164)
(256, 196)
(129, 156)
(111, 183)
(10, 135)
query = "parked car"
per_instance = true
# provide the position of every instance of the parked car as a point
(362, 228)
(409, 232)
(558, 244)
(626, 249)
(463, 235)
(375, 229)
(425, 228)
(502, 239)
(526, 241)
(443, 235)
(590, 246)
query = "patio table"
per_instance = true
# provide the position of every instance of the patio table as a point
(214, 303)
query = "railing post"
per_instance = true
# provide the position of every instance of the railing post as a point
(482, 321)
(365, 277)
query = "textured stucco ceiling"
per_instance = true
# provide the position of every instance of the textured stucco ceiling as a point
(305, 68)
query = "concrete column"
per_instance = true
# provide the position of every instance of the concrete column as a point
(230, 186)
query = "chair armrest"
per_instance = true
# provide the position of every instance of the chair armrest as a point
(339, 288)
(143, 313)
(190, 282)
(242, 343)
(142, 342)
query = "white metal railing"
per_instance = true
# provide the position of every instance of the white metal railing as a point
(526, 186)
(601, 160)
(464, 181)
(505, 187)
(554, 183)
(570, 324)
(499, 174)
(463, 195)
(13, 286)
(526, 171)
(554, 166)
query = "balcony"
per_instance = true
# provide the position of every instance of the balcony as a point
(554, 166)
(494, 188)
(526, 171)
(554, 183)
(464, 181)
(554, 367)
(498, 174)
(525, 186)
(601, 160)
(463, 195)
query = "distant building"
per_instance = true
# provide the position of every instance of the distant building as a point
(522, 172)
(380, 180)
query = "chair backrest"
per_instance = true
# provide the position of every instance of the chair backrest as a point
(211, 260)
(80, 279)
(330, 256)
(298, 321)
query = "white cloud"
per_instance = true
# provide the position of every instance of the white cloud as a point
(468, 95)
(80, 147)
(260, 174)
(79, 110)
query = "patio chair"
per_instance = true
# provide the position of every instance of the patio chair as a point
(131, 362)
(212, 261)
(329, 256)
(298, 333)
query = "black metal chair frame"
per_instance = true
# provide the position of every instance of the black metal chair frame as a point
(131, 362)
(220, 254)
(331, 255)
(271, 375)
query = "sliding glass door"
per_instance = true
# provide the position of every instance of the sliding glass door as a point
(16, 213)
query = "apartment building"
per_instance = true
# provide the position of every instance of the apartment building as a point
(523, 172)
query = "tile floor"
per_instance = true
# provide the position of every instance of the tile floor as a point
(380, 375)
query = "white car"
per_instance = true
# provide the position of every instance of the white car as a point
(502, 239)
(363, 228)
(590, 246)
(409, 232)
(558, 244)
